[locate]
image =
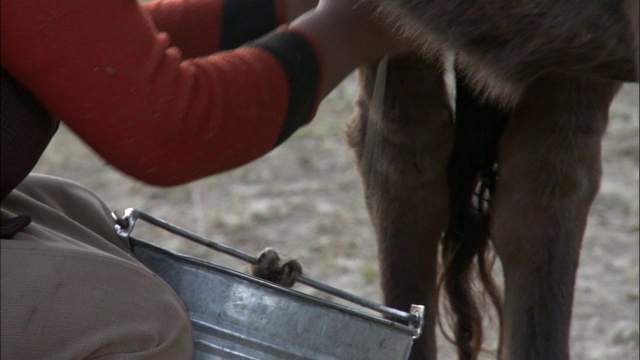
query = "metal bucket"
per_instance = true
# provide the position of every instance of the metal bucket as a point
(236, 316)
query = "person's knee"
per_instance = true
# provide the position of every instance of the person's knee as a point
(63, 206)
(65, 196)
(62, 304)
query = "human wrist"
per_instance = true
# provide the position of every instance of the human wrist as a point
(299, 59)
(345, 38)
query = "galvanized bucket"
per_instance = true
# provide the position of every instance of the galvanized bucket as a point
(237, 316)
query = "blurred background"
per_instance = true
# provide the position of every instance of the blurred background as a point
(305, 200)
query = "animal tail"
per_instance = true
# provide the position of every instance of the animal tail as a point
(465, 245)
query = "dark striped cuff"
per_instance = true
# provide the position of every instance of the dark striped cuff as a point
(246, 20)
(299, 60)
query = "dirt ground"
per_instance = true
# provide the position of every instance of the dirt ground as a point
(305, 200)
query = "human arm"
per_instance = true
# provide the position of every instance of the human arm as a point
(202, 27)
(102, 67)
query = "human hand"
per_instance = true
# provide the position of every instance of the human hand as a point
(347, 33)
(368, 33)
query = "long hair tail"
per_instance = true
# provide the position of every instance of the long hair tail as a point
(465, 246)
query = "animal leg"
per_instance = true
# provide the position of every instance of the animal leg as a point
(549, 174)
(402, 156)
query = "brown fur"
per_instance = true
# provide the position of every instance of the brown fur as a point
(555, 66)
(405, 181)
(504, 45)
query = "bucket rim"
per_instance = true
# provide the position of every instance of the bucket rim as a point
(191, 261)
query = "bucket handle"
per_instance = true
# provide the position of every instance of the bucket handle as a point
(125, 224)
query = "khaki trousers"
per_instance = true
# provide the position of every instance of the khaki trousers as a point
(70, 288)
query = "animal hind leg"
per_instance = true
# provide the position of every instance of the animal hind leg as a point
(549, 174)
(402, 156)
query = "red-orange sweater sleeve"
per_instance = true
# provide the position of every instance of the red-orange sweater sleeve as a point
(103, 68)
(202, 27)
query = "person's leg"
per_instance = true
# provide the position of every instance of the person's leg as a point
(66, 208)
(71, 290)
